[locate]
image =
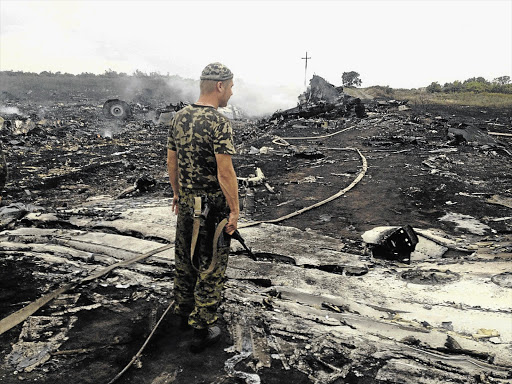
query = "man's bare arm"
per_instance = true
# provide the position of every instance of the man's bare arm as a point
(172, 169)
(229, 185)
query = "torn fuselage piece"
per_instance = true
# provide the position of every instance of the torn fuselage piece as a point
(395, 244)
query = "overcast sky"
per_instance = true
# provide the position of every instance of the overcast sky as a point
(403, 44)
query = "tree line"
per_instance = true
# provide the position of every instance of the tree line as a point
(474, 84)
(500, 84)
(108, 73)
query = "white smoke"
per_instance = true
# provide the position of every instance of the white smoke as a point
(185, 90)
(111, 128)
(254, 100)
(264, 100)
(10, 110)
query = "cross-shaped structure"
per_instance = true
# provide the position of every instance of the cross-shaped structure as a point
(306, 67)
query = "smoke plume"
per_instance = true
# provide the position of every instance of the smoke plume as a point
(10, 111)
(254, 100)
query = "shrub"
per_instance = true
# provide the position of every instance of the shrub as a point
(434, 87)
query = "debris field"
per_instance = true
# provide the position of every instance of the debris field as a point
(322, 185)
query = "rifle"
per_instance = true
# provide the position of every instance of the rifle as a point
(237, 236)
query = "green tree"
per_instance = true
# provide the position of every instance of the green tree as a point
(110, 73)
(139, 73)
(434, 87)
(456, 86)
(502, 80)
(479, 79)
(350, 79)
(475, 86)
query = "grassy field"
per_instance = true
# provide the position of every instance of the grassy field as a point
(62, 88)
(422, 97)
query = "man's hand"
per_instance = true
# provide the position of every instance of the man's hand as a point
(174, 205)
(232, 224)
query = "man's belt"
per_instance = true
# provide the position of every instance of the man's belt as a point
(198, 213)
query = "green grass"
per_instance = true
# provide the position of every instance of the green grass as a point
(422, 97)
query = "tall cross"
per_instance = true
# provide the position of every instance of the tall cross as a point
(306, 67)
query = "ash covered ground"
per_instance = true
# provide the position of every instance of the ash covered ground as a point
(75, 174)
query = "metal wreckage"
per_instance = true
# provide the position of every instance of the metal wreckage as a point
(380, 240)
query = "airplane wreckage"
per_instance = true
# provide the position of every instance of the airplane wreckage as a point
(381, 241)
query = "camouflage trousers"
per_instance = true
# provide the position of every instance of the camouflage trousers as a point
(3, 165)
(198, 295)
(3, 170)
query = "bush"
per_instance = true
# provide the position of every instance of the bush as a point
(456, 86)
(475, 86)
(380, 90)
(434, 87)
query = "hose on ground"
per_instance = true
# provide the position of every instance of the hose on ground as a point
(283, 141)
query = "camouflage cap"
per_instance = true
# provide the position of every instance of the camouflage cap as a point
(217, 72)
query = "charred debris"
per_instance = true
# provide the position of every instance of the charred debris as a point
(371, 287)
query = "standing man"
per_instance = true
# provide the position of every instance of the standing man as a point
(3, 165)
(200, 146)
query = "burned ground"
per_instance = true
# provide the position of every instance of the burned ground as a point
(85, 192)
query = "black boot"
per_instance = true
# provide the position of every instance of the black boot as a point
(204, 338)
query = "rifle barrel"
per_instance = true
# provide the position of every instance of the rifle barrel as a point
(237, 236)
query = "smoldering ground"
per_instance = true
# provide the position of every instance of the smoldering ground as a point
(313, 307)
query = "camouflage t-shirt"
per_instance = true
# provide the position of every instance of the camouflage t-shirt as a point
(197, 133)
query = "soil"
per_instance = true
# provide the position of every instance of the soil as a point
(398, 188)
(417, 173)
